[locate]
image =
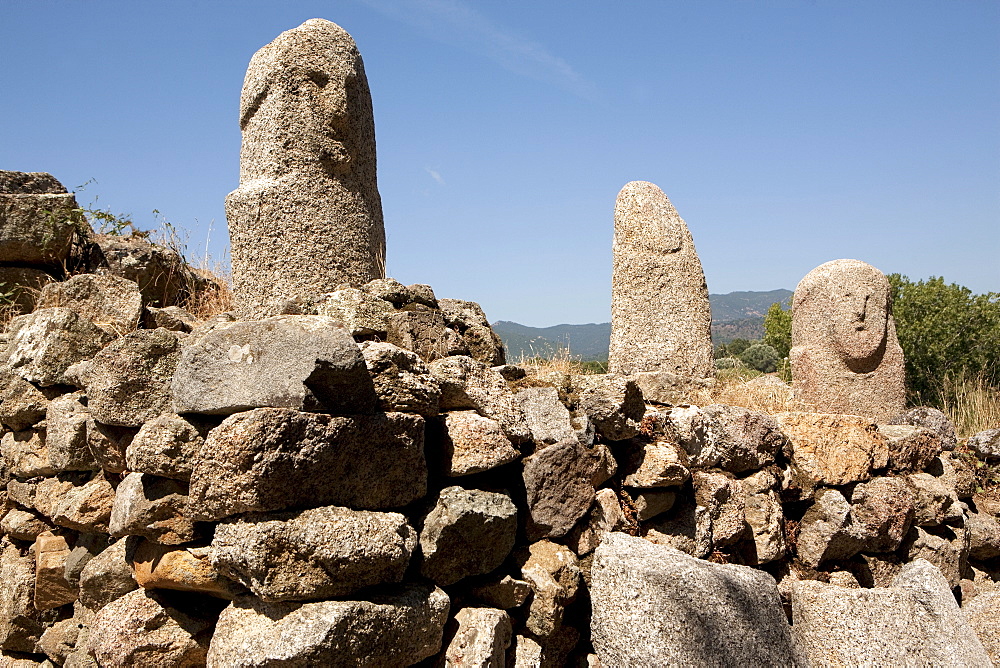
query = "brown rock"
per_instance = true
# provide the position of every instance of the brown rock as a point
(23, 284)
(38, 228)
(86, 508)
(612, 402)
(111, 302)
(833, 449)
(23, 524)
(152, 507)
(51, 588)
(180, 568)
(557, 480)
(881, 513)
(481, 640)
(911, 449)
(554, 575)
(167, 446)
(422, 332)
(402, 381)
(26, 453)
(473, 444)
(108, 444)
(658, 464)
(106, 577)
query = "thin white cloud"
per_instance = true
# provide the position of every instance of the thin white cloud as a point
(456, 23)
(436, 176)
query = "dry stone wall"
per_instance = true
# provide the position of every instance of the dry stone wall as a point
(299, 490)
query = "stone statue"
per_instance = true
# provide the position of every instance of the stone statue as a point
(660, 316)
(307, 216)
(845, 356)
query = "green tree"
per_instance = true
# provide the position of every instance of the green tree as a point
(945, 331)
(762, 357)
(778, 329)
(736, 347)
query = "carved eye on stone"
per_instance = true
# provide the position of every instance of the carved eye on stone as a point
(319, 79)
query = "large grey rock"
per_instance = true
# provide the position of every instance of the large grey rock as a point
(469, 320)
(313, 554)
(422, 332)
(982, 615)
(660, 316)
(467, 532)
(548, 419)
(111, 302)
(481, 639)
(128, 382)
(276, 459)
(469, 384)
(473, 444)
(301, 362)
(845, 355)
(654, 606)
(730, 438)
(167, 446)
(559, 487)
(66, 434)
(38, 228)
(402, 381)
(106, 577)
(826, 531)
(612, 402)
(153, 507)
(725, 500)
(395, 629)
(142, 629)
(915, 622)
(947, 549)
(929, 418)
(362, 313)
(44, 344)
(307, 215)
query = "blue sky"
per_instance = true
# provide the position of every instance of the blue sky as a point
(785, 133)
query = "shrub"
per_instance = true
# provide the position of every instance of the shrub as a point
(761, 357)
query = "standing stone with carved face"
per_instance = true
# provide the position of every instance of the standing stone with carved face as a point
(307, 216)
(660, 316)
(845, 355)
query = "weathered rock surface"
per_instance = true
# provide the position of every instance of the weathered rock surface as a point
(825, 531)
(51, 588)
(180, 568)
(307, 215)
(472, 444)
(313, 554)
(164, 277)
(362, 313)
(66, 434)
(986, 444)
(881, 513)
(505, 593)
(111, 302)
(26, 453)
(128, 382)
(947, 549)
(725, 500)
(934, 501)
(547, 417)
(845, 355)
(275, 459)
(37, 228)
(984, 620)
(658, 464)
(559, 487)
(167, 446)
(914, 622)
(173, 318)
(481, 640)
(612, 402)
(44, 344)
(23, 285)
(655, 606)
(142, 629)
(604, 516)
(688, 528)
(402, 381)
(85, 508)
(21, 624)
(660, 316)
(106, 577)
(467, 384)
(108, 444)
(929, 418)
(422, 332)
(730, 438)
(911, 448)
(301, 362)
(22, 405)
(833, 449)
(984, 536)
(391, 630)
(553, 572)
(23, 524)
(468, 532)
(153, 507)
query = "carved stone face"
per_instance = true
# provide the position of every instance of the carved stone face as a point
(858, 305)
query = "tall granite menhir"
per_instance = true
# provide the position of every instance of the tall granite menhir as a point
(845, 355)
(307, 216)
(660, 317)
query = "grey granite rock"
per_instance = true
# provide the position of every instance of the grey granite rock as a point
(982, 615)
(733, 439)
(106, 577)
(481, 639)
(929, 418)
(86, 507)
(314, 554)
(44, 344)
(301, 362)
(559, 487)
(66, 434)
(553, 572)
(37, 229)
(914, 622)
(468, 384)
(986, 444)
(362, 313)
(22, 404)
(548, 419)
(153, 507)
(911, 448)
(612, 402)
(654, 606)
(473, 444)
(394, 629)
(402, 381)
(167, 446)
(307, 215)
(422, 332)
(128, 382)
(26, 454)
(111, 302)
(276, 459)
(467, 532)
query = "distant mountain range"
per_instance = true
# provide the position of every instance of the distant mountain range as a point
(734, 315)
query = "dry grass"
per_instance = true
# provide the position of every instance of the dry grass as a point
(972, 404)
(217, 298)
(561, 362)
(748, 388)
